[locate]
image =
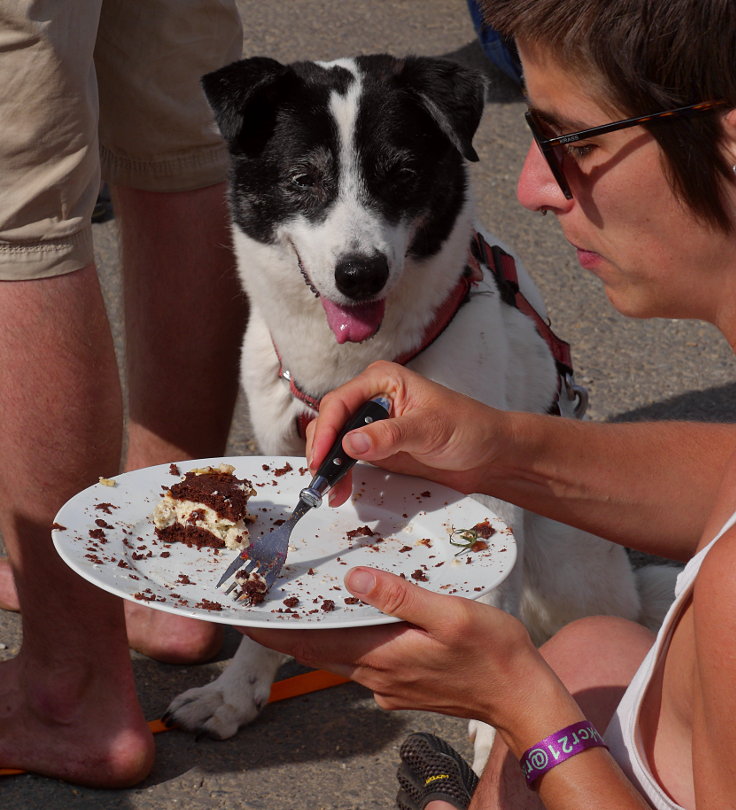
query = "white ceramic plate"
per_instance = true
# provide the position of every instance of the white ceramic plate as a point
(105, 534)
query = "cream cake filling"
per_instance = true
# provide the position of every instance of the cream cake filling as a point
(169, 511)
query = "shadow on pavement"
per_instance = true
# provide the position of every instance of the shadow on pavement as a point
(716, 404)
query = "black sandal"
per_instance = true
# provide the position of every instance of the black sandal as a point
(430, 770)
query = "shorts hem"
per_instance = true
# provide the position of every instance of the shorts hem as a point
(186, 172)
(26, 261)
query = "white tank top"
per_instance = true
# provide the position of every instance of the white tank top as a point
(622, 735)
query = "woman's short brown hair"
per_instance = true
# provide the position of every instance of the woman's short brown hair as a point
(650, 55)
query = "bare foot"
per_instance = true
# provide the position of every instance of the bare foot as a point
(170, 638)
(95, 736)
(8, 594)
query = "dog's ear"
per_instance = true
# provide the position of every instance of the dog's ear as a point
(240, 94)
(452, 94)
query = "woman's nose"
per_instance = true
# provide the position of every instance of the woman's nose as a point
(537, 188)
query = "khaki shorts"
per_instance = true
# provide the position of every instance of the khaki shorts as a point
(107, 88)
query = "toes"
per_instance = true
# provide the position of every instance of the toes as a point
(222, 725)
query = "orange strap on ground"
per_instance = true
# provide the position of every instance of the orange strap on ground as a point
(280, 690)
(304, 684)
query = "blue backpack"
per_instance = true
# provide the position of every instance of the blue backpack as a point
(501, 51)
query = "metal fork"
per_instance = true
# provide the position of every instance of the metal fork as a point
(265, 557)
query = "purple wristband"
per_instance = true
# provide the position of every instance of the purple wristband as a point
(558, 747)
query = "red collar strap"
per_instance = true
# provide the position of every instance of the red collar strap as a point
(447, 311)
(503, 268)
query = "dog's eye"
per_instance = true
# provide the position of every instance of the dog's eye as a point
(401, 172)
(404, 173)
(303, 180)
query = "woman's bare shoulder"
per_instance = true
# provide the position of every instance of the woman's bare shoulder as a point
(713, 665)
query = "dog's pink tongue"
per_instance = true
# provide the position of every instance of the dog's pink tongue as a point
(354, 324)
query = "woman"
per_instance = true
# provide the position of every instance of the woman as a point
(650, 208)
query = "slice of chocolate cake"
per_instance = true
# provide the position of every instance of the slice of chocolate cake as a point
(208, 507)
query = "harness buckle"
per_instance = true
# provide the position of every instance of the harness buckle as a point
(573, 400)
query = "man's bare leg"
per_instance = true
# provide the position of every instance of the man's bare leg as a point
(68, 706)
(185, 317)
(595, 658)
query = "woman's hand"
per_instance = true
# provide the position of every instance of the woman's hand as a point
(449, 655)
(434, 433)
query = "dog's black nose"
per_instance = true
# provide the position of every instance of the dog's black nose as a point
(360, 277)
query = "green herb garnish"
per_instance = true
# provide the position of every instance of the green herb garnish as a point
(465, 539)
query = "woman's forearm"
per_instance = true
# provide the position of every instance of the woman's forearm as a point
(591, 778)
(647, 485)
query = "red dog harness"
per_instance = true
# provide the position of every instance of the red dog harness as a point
(503, 268)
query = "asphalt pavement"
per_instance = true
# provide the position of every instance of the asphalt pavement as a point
(335, 750)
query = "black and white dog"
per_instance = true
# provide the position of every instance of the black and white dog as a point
(353, 224)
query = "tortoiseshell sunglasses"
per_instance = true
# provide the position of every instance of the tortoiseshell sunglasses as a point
(551, 148)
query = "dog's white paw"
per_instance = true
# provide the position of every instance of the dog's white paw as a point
(482, 736)
(232, 700)
(207, 710)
